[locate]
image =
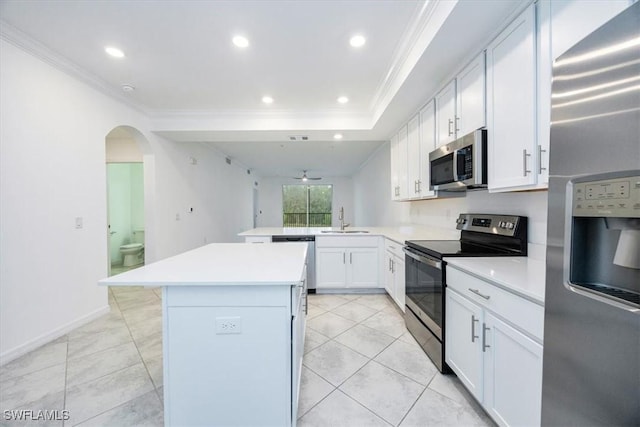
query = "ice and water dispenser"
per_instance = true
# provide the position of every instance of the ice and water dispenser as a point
(604, 258)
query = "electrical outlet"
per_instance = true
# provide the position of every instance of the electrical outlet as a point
(228, 325)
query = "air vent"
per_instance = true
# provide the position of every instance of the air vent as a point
(298, 138)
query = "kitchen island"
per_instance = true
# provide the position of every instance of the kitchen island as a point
(233, 332)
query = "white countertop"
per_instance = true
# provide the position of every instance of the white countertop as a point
(522, 276)
(222, 264)
(398, 234)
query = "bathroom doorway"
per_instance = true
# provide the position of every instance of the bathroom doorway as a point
(125, 201)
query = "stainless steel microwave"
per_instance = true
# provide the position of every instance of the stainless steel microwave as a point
(460, 164)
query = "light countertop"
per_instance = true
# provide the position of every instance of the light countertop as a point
(222, 264)
(522, 276)
(398, 234)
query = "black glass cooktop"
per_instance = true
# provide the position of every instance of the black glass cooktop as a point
(451, 248)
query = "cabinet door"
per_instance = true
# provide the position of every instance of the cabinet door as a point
(395, 158)
(511, 108)
(446, 114)
(463, 341)
(427, 145)
(470, 101)
(403, 177)
(513, 375)
(331, 267)
(363, 268)
(389, 282)
(399, 281)
(413, 157)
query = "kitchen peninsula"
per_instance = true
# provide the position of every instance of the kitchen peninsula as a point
(233, 332)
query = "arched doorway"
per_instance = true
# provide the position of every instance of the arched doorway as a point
(129, 164)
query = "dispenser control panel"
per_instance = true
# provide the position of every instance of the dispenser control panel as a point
(617, 197)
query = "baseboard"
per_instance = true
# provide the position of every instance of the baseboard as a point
(363, 291)
(25, 348)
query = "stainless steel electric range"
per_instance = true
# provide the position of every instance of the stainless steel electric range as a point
(482, 235)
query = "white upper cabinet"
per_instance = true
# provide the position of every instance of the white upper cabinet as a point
(413, 159)
(446, 114)
(470, 97)
(399, 146)
(395, 173)
(511, 105)
(427, 145)
(403, 147)
(460, 106)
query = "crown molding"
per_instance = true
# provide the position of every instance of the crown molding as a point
(419, 34)
(23, 41)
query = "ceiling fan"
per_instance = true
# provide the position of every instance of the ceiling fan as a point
(305, 178)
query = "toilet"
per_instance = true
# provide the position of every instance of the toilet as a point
(133, 252)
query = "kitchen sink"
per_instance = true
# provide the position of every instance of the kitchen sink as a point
(345, 231)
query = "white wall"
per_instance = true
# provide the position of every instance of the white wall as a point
(270, 199)
(52, 170)
(374, 206)
(372, 193)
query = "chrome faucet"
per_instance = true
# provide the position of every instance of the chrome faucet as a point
(341, 218)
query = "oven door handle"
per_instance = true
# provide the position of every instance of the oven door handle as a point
(433, 263)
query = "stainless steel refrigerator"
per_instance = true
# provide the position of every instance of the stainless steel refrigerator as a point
(591, 366)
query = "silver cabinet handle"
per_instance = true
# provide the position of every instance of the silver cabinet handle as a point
(477, 292)
(393, 266)
(485, 346)
(473, 328)
(450, 132)
(344, 257)
(540, 151)
(419, 186)
(389, 268)
(350, 258)
(524, 162)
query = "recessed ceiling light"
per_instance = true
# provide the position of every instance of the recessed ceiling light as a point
(114, 51)
(357, 41)
(337, 136)
(267, 100)
(343, 100)
(128, 88)
(241, 41)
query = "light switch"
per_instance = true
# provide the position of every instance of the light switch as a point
(78, 222)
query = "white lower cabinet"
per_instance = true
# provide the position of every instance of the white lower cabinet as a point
(462, 341)
(229, 348)
(493, 344)
(347, 262)
(394, 282)
(513, 374)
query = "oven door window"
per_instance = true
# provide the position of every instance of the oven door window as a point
(424, 289)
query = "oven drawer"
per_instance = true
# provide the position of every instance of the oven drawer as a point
(524, 314)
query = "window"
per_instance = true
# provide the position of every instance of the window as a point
(306, 205)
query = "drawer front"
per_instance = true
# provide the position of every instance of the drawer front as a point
(522, 313)
(394, 247)
(347, 241)
(257, 239)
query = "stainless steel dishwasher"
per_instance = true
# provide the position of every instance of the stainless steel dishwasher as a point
(311, 256)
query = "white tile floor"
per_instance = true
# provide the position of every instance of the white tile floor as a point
(361, 368)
